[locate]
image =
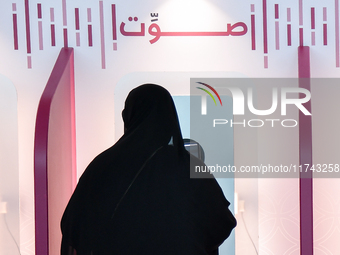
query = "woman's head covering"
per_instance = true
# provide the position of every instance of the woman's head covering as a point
(137, 196)
(150, 118)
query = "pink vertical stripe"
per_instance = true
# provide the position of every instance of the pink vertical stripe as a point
(324, 34)
(64, 13)
(305, 157)
(276, 11)
(29, 62)
(15, 31)
(52, 14)
(301, 36)
(78, 39)
(61, 77)
(252, 7)
(73, 124)
(300, 13)
(337, 50)
(324, 16)
(65, 38)
(312, 16)
(14, 7)
(253, 46)
(114, 22)
(289, 16)
(89, 30)
(265, 36)
(40, 31)
(289, 34)
(102, 41)
(277, 36)
(114, 46)
(313, 38)
(28, 32)
(265, 61)
(52, 35)
(89, 18)
(76, 15)
(39, 11)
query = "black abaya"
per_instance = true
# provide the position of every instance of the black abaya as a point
(137, 196)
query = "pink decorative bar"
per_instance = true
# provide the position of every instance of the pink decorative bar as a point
(65, 37)
(324, 16)
(29, 62)
(28, 32)
(301, 36)
(253, 46)
(52, 35)
(76, 15)
(337, 39)
(265, 61)
(14, 7)
(102, 36)
(300, 13)
(324, 34)
(312, 15)
(289, 15)
(114, 46)
(39, 11)
(64, 13)
(276, 11)
(78, 39)
(15, 31)
(89, 18)
(89, 30)
(313, 38)
(289, 34)
(40, 32)
(252, 7)
(114, 22)
(52, 14)
(277, 36)
(265, 36)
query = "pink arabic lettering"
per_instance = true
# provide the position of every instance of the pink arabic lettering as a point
(155, 30)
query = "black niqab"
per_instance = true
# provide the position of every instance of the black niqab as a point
(137, 196)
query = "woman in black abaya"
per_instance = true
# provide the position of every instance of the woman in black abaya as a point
(137, 196)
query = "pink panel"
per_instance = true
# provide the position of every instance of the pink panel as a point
(305, 153)
(54, 154)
